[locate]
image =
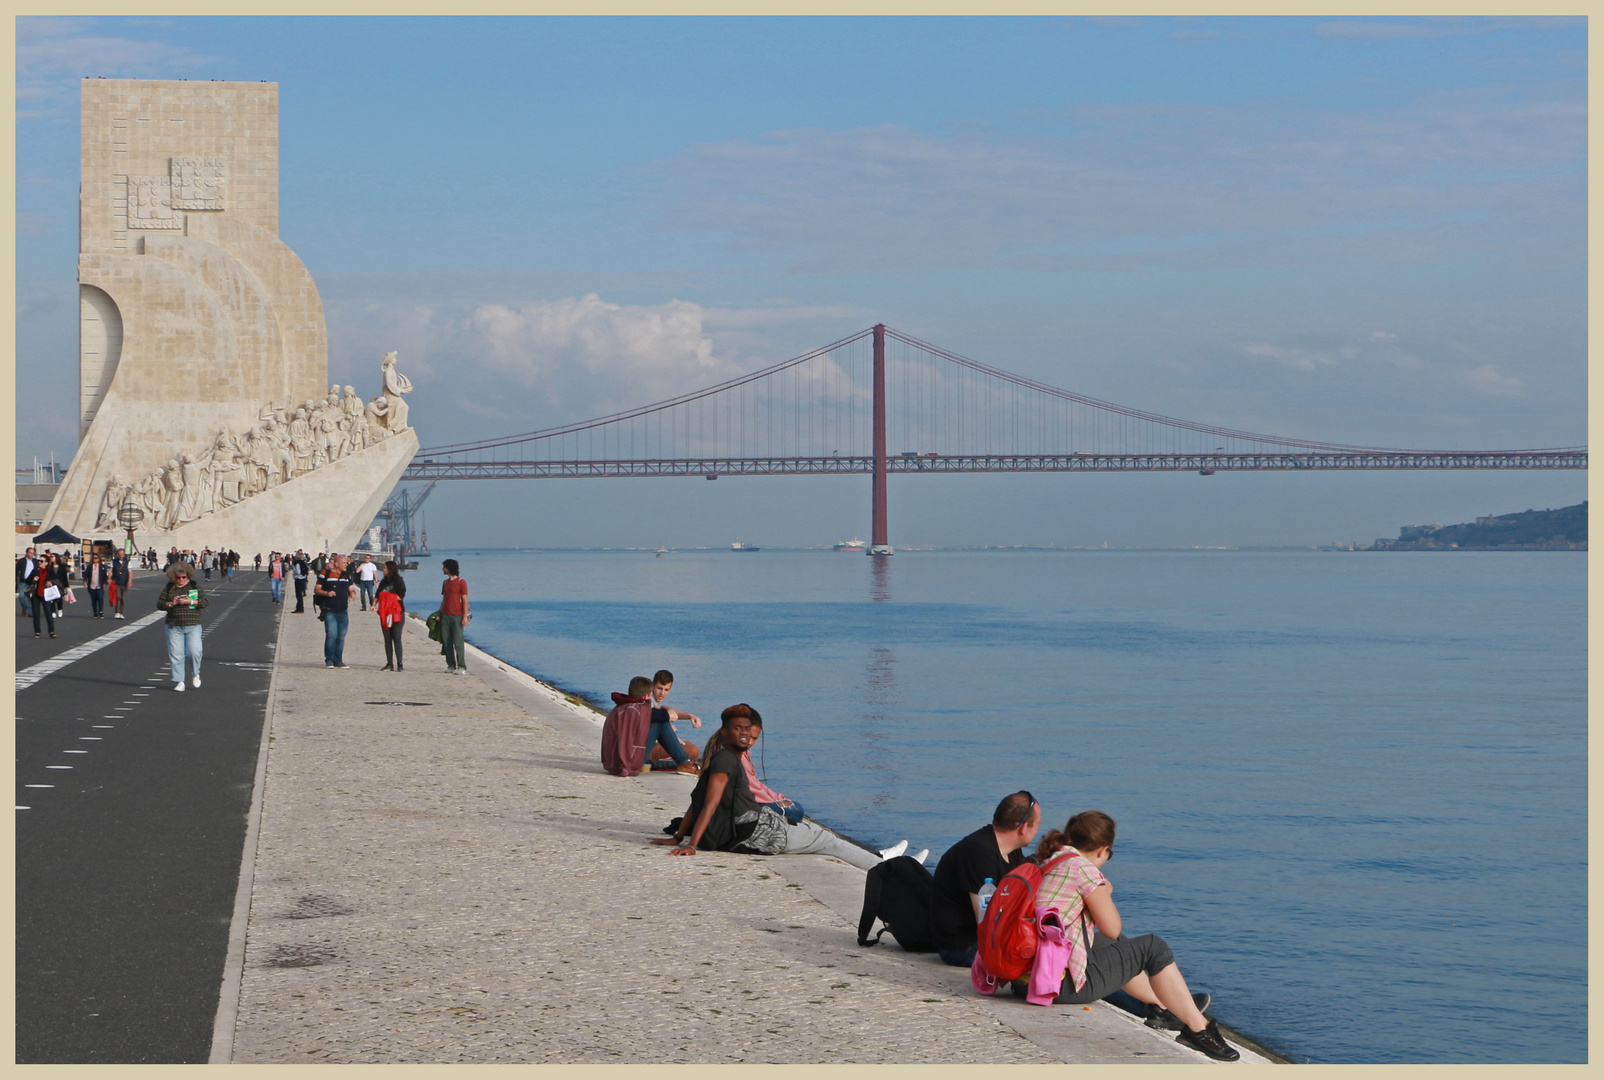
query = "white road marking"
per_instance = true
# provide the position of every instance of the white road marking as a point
(107, 726)
(24, 808)
(89, 738)
(28, 676)
(39, 785)
(75, 751)
(58, 766)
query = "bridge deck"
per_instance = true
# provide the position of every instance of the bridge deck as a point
(444, 469)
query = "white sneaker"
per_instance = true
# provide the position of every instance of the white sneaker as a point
(195, 682)
(894, 850)
(118, 615)
(179, 686)
(921, 856)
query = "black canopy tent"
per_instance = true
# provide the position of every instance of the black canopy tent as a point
(55, 535)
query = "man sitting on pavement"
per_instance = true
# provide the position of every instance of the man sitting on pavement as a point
(623, 747)
(988, 852)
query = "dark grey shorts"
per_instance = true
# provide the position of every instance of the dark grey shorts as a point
(1112, 964)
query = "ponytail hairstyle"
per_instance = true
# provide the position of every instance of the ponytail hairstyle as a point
(1049, 845)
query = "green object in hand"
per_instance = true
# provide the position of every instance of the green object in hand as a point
(194, 596)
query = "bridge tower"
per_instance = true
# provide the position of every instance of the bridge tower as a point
(879, 540)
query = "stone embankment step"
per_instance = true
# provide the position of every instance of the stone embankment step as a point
(442, 873)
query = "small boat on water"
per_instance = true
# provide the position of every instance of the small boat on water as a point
(741, 546)
(854, 544)
(661, 552)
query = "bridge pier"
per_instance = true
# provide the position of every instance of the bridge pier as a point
(879, 537)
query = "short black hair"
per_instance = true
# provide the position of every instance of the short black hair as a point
(1013, 811)
(451, 566)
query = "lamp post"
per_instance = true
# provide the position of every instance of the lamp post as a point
(129, 515)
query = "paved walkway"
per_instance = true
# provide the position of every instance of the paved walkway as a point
(444, 874)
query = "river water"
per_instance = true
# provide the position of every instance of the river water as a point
(1350, 787)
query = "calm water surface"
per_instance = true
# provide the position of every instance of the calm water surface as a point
(1350, 788)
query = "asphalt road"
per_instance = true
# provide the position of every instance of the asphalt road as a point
(131, 814)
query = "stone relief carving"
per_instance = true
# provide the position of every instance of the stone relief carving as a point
(150, 203)
(289, 441)
(198, 183)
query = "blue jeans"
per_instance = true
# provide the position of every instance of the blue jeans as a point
(662, 731)
(335, 624)
(366, 588)
(278, 590)
(793, 813)
(958, 957)
(182, 641)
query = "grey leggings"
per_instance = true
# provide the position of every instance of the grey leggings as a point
(1112, 964)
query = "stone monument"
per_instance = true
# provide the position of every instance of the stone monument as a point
(203, 361)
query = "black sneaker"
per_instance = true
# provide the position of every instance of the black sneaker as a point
(1162, 1019)
(1208, 1041)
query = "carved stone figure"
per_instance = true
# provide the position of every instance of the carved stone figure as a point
(328, 441)
(377, 417)
(356, 440)
(190, 499)
(109, 502)
(395, 384)
(264, 473)
(173, 490)
(301, 441)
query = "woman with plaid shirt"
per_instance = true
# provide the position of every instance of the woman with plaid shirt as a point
(183, 600)
(1144, 966)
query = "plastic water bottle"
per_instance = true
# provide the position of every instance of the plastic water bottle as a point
(985, 897)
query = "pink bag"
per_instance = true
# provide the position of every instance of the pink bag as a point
(984, 980)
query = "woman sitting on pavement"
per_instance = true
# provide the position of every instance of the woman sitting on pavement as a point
(723, 815)
(1144, 966)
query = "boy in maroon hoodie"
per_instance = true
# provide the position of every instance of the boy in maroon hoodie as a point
(623, 747)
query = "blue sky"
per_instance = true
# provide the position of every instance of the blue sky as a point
(1356, 230)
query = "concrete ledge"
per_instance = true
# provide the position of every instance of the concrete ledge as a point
(445, 874)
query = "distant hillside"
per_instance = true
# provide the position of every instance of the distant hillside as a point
(1535, 530)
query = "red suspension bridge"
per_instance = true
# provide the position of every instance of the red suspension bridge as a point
(837, 409)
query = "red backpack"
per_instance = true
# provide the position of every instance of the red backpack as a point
(1007, 934)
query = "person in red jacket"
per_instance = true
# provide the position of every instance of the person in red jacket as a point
(623, 748)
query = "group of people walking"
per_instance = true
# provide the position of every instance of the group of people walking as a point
(44, 586)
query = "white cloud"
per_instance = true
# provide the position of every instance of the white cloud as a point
(55, 53)
(1127, 186)
(649, 351)
(1434, 28)
(1302, 359)
(1487, 379)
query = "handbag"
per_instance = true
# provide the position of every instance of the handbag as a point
(51, 593)
(433, 623)
(71, 599)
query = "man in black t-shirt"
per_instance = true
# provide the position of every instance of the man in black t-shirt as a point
(988, 852)
(334, 590)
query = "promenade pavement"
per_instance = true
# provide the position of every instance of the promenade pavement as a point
(442, 873)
